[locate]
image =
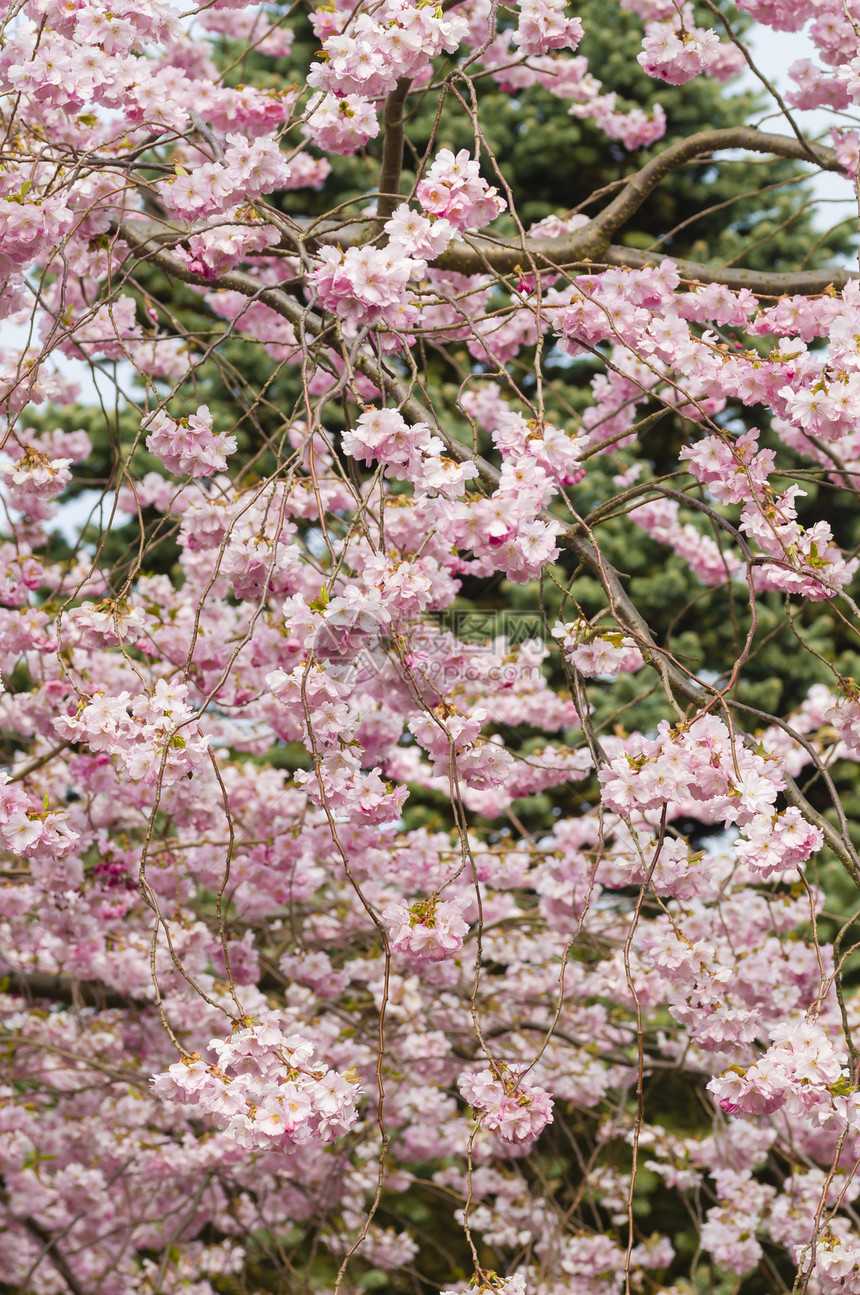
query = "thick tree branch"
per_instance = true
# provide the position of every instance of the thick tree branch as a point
(640, 185)
(506, 257)
(482, 253)
(392, 150)
(761, 282)
(65, 989)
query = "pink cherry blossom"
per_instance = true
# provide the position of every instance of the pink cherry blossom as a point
(189, 445)
(447, 730)
(515, 1110)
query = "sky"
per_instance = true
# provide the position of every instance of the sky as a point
(774, 52)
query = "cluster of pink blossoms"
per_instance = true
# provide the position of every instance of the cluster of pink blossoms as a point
(696, 763)
(535, 453)
(448, 736)
(367, 286)
(397, 40)
(34, 481)
(265, 1090)
(801, 1071)
(775, 844)
(837, 1261)
(105, 625)
(20, 573)
(188, 445)
(503, 530)
(542, 26)
(515, 1110)
(341, 123)
(595, 651)
(430, 929)
(453, 188)
(675, 52)
(24, 225)
(412, 453)
(417, 235)
(37, 833)
(250, 167)
(731, 470)
(845, 718)
(697, 768)
(147, 734)
(808, 562)
(213, 251)
(491, 1284)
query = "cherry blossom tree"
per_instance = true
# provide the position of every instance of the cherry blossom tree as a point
(390, 896)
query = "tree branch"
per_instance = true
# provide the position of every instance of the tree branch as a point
(761, 282)
(56, 1257)
(39, 763)
(66, 989)
(485, 254)
(392, 149)
(482, 253)
(302, 317)
(640, 185)
(756, 71)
